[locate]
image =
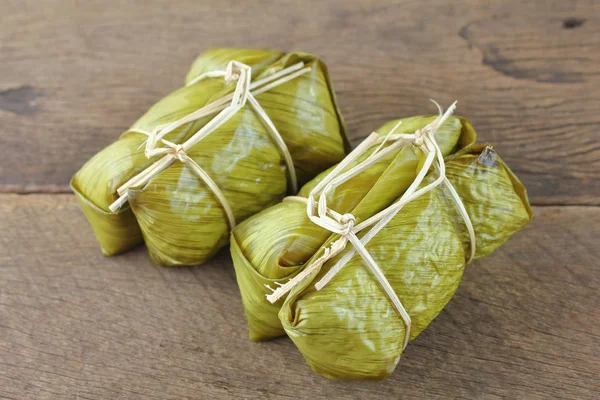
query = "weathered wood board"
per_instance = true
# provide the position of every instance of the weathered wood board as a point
(74, 75)
(73, 324)
(525, 322)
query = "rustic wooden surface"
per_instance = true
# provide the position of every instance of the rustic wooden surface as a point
(525, 322)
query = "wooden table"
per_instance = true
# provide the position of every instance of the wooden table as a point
(525, 322)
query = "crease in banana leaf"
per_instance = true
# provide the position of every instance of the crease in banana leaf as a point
(176, 214)
(349, 329)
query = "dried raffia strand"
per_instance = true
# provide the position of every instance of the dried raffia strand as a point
(345, 226)
(244, 92)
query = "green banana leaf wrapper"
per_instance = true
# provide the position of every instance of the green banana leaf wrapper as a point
(176, 214)
(349, 329)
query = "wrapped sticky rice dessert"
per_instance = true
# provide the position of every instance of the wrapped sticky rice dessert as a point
(248, 127)
(369, 252)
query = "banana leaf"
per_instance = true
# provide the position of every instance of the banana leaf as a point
(176, 214)
(349, 329)
(273, 246)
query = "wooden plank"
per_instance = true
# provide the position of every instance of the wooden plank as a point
(523, 325)
(75, 74)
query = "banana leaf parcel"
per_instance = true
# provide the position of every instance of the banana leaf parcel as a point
(248, 127)
(352, 314)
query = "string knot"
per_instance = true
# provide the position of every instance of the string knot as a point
(419, 136)
(233, 71)
(347, 220)
(179, 152)
(232, 78)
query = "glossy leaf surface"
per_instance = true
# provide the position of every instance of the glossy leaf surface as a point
(349, 329)
(176, 214)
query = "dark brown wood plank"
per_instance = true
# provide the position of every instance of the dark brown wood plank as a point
(75, 74)
(524, 324)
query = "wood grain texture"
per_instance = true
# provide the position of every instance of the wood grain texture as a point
(524, 323)
(73, 75)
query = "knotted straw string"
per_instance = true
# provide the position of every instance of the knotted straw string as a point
(345, 225)
(245, 91)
